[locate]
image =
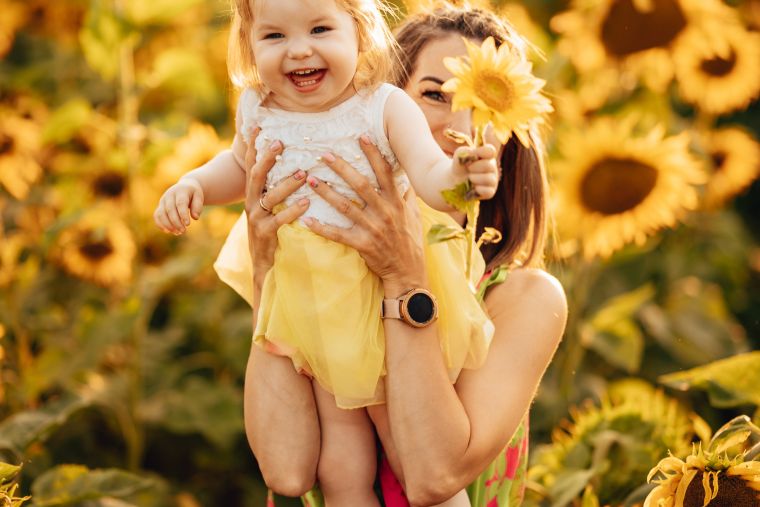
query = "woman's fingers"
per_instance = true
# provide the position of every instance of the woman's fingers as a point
(381, 167)
(361, 185)
(331, 232)
(284, 189)
(290, 213)
(257, 176)
(341, 203)
(250, 152)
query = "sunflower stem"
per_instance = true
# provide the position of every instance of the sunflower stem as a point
(129, 127)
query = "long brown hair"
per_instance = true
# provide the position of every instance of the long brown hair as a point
(518, 210)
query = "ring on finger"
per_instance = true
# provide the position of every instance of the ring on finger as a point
(263, 206)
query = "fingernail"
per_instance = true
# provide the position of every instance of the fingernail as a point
(365, 139)
(328, 156)
(303, 203)
(275, 146)
(187, 222)
(312, 181)
(308, 221)
(299, 174)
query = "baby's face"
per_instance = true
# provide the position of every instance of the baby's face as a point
(306, 52)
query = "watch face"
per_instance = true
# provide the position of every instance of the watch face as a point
(420, 307)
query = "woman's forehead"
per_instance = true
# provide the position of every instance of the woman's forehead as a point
(430, 58)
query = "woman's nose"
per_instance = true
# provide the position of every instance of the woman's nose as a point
(299, 49)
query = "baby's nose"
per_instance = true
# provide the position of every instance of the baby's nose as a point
(298, 49)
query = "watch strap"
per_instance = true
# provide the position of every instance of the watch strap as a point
(391, 309)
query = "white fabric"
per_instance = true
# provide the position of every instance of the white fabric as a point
(306, 136)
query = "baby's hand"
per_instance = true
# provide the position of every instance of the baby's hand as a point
(480, 167)
(180, 201)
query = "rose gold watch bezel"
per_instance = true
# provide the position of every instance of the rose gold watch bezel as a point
(404, 305)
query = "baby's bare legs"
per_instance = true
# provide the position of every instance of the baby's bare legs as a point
(347, 460)
(379, 417)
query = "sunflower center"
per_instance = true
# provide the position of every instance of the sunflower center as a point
(625, 30)
(96, 250)
(6, 144)
(495, 90)
(109, 184)
(718, 159)
(719, 67)
(617, 185)
(732, 492)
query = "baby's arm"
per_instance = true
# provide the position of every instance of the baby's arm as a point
(430, 170)
(219, 181)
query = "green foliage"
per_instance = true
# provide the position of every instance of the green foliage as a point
(730, 382)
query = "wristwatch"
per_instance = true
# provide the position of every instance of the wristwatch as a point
(417, 307)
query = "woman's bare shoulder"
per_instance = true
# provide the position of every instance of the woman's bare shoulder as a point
(528, 289)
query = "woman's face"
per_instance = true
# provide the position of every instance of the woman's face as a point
(424, 86)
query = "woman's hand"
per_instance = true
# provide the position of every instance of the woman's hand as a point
(262, 223)
(387, 231)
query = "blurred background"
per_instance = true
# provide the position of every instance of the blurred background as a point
(122, 355)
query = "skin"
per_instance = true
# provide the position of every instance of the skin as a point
(297, 35)
(485, 406)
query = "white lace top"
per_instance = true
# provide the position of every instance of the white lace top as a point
(306, 136)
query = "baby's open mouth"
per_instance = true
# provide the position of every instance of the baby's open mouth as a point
(303, 78)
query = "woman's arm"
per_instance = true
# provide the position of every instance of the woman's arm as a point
(445, 436)
(279, 410)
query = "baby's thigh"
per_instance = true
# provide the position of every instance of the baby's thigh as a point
(379, 416)
(348, 441)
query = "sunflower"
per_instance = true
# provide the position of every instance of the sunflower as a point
(614, 187)
(13, 18)
(10, 248)
(199, 146)
(19, 147)
(735, 157)
(705, 478)
(719, 74)
(499, 88)
(109, 184)
(98, 248)
(633, 426)
(633, 36)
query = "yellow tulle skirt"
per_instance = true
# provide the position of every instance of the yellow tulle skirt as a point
(320, 306)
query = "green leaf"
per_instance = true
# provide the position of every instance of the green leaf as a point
(199, 406)
(101, 37)
(621, 345)
(69, 484)
(729, 382)
(66, 121)
(458, 197)
(439, 233)
(612, 333)
(734, 432)
(170, 71)
(23, 428)
(146, 12)
(8, 472)
(569, 485)
(589, 498)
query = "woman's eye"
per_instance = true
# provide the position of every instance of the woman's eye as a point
(434, 95)
(320, 29)
(274, 35)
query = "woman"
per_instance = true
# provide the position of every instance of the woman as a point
(445, 436)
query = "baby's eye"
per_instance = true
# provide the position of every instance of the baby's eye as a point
(274, 35)
(435, 95)
(320, 29)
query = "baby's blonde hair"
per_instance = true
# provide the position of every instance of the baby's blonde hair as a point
(377, 47)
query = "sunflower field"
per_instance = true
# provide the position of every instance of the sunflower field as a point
(122, 355)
